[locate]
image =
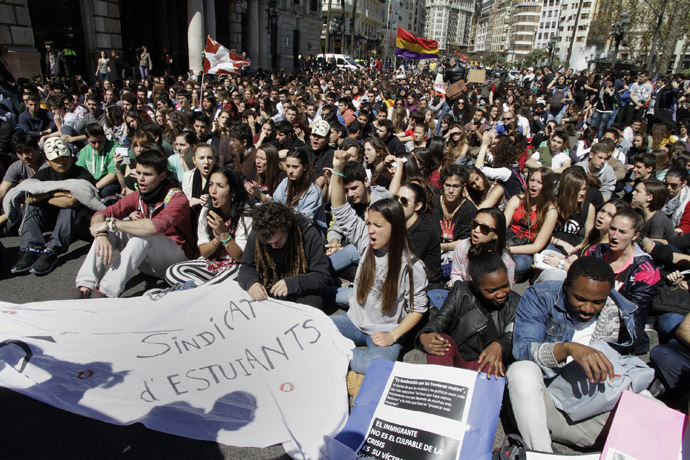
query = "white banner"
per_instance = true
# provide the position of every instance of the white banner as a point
(205, 363)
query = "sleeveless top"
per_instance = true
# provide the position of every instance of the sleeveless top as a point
(524, 226)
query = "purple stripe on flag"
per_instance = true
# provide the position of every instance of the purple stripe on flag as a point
(401, 52)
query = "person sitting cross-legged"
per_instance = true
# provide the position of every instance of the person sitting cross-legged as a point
(284, 257)
(474, 329)
(57, 208)
(558, 323)
(150, 228)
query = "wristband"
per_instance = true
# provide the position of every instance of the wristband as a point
(101, 234)
(395, 339)
(338, 173)
(110, 224)
(225, 241)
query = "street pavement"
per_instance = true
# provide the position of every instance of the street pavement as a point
(33, 430)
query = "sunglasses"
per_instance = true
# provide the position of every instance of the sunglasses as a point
(403, 200)
(672, 186)
(484, 229)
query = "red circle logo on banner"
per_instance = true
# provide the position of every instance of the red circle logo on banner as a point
(287, 387)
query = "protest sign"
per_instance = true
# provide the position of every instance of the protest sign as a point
(423, 412)
(206, 363)
(657, 435)
(476, 76)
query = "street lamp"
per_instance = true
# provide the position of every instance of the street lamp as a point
(618, 31)
(272, 28)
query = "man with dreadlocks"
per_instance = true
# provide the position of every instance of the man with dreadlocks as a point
(284, 257)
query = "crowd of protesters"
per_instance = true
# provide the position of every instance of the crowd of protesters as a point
(372, 192)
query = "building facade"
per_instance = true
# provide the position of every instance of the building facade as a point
(272, 32)
(358, 37)
(449, 22)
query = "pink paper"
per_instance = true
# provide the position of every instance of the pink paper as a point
(644, 429)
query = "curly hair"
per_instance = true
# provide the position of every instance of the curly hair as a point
(269, 219)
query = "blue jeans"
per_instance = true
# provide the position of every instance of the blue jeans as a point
(337, 295)
(523, 263)
(437, 297)
(667, 324)
(344, 258)
(600, 121)
(558, 117)
(360, 358)
(446, 108)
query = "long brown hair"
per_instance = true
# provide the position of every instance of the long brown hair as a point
(572, 181)
(398, 248)
(271, 177)
(297, 188)
(543, 201)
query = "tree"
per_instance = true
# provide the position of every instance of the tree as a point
(535, 58)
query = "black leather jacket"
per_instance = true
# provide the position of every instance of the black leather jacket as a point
(463, 319)
(455, 73)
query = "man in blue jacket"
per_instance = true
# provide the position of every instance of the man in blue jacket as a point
(555, 324)
(34, 120)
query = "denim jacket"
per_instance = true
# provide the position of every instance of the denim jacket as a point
(542, 321)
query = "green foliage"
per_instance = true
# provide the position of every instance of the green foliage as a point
(535, 58)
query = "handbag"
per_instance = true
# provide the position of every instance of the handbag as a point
(456, 89)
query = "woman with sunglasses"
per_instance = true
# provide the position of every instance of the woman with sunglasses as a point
(389, 295)
(531, 218)
(425, 241)
(488, 235)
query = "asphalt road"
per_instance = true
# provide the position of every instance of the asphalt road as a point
(33, 430)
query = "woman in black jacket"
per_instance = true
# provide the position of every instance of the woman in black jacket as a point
(474, 329)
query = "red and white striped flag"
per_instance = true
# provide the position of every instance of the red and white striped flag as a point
(220, 60)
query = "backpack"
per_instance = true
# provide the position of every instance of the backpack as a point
(557, 99)
(512, 448)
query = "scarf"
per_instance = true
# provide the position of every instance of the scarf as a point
(197, 190)
(157, 195)
(675, 207)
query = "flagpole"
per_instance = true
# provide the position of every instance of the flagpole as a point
(201, 96)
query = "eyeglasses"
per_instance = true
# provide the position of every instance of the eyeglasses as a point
(672, 186)
(403, 200)
(484, 229)
(455, 186)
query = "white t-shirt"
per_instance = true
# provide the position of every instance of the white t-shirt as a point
(583, 333)
(556, 162)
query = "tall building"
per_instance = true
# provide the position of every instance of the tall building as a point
(524, 21)
(484, 26)
(548, 23)
(449, 22)
(573, 29)
(369, 22)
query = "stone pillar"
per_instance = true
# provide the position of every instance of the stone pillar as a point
(254, 32)
(195, 33)
(210, 18)
(16, 32)
(262, 61)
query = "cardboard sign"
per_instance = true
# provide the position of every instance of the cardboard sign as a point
(476, 76)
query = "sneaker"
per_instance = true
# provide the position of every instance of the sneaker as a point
(26, 260)
(96, 294)
(45, 263)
